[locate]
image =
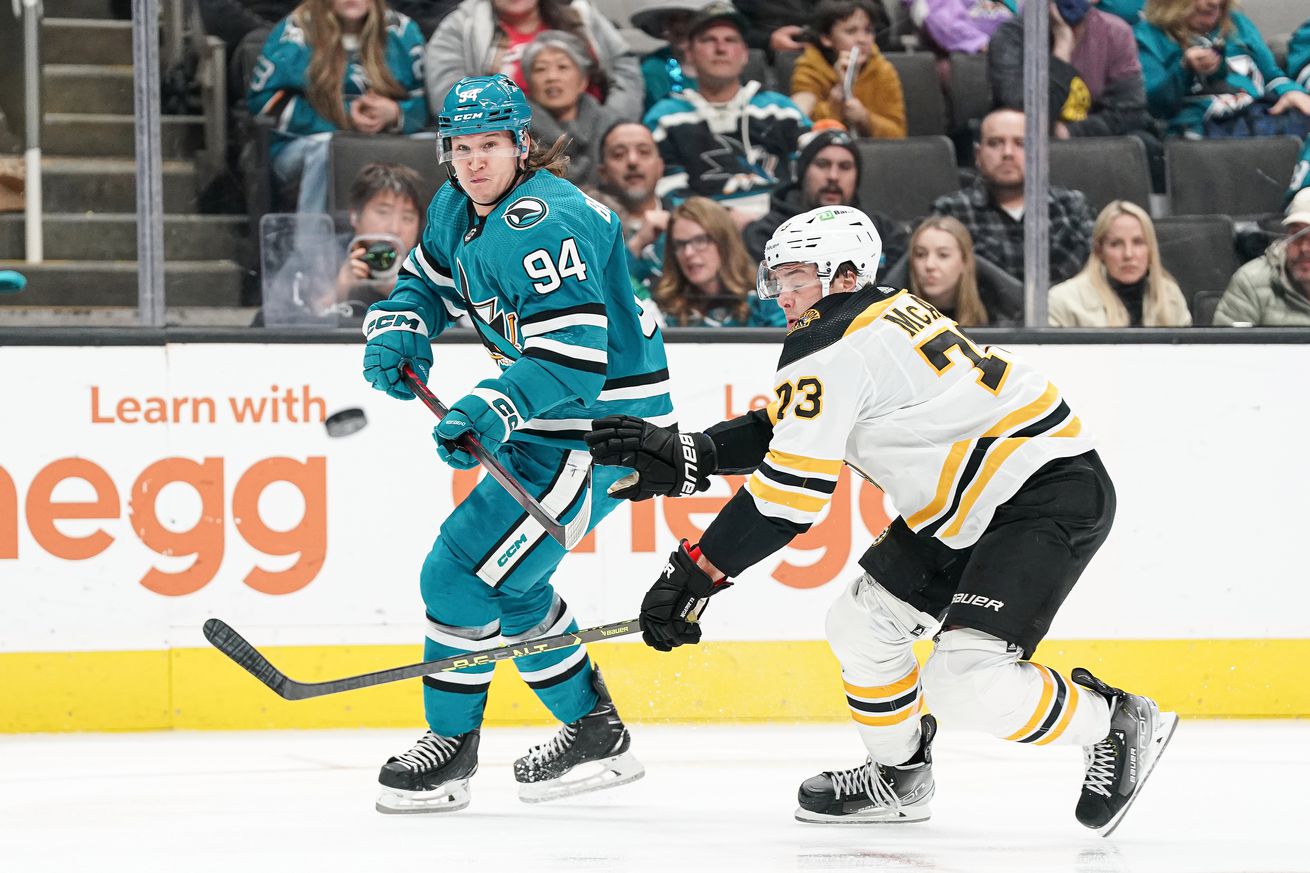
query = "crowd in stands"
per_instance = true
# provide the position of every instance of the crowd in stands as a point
(701, 161)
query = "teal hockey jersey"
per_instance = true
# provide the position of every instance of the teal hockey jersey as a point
(544, 279)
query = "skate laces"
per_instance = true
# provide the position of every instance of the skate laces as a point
(1099, 760)
(867, 779)
(431, 751)
(557, 745)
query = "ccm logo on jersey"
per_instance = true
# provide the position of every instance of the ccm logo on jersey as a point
(979, 601)
(513, 548)
(525, 212)
(688, 485)
(381, 322)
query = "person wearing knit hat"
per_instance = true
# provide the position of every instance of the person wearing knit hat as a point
(828, 172)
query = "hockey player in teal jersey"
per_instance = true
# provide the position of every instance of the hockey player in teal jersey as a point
(541, 271)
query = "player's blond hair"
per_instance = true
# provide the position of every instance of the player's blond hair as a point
(969, 308)
(1155, 299)
(327, 57)
(676, 297)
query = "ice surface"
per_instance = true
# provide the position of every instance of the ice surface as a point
(1227, 796)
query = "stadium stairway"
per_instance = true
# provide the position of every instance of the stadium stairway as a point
(89, 192)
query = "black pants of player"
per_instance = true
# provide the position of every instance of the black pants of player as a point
(1012, 581)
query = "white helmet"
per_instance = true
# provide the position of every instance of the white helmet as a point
(826, 237)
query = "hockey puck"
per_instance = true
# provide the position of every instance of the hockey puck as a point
(345, 422)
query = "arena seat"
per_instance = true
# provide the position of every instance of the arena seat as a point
(1198, 251)
(925, 104)
(902, 177)
(350, 152)
(971, 90)
(1104, 168)
(1203, 307)
(1238, 177)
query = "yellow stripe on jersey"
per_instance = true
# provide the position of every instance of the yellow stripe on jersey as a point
(872, 313)
(1072, 429)
(1069, 707)
(1023, 415)
(803, 502)
(958, 453)
(1048, 692)
(804, 463)
(900, 686)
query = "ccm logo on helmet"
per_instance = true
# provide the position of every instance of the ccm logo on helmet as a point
(466, 116)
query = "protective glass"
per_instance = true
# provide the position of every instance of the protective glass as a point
(770, 282)
(452, 150)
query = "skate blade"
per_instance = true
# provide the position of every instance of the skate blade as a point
(1163, 734)
(920, 811)
(451, 797)
(591, 776)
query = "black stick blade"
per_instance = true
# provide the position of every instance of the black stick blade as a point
(232, 644)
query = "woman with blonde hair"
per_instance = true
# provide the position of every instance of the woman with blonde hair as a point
(1123, 283)
(709, 278)
(941, 268)
(336, 65)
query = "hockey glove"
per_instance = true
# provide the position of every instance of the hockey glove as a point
(671, 609)
(485, 414)
(395, 334)
(667, 462)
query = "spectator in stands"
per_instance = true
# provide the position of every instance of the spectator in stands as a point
(779, 25)
(992, 207)
(558, 70)
(667, 71)
(1124, 283)
(709, 279)
(481, 37)
(1274, 289)
(964, 26)
(630, 167)
(1209, 73)
(1298, 56)
(728, 141)
(827, 174)
(1095, 77)
(386, 215)
(941, 268)
(874, 106)
(335, 65)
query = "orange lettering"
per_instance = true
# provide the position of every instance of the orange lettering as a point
(205, 540)
(43, 512)
(128, 406)
(96, 417)
(8, 516)
(308, 537)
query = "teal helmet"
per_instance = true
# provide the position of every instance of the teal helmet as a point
(483, 104)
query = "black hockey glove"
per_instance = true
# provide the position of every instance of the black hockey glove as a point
(667, 462)
(672, 608)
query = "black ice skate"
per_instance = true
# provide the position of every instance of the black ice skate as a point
(873, 793)
(1118, 765)
(431, 777)
(587, 755)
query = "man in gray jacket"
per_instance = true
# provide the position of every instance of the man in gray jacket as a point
(1274, 289)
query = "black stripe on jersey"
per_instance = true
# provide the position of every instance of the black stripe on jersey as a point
(456, 687)
(547, 315)
(640, 379)
(553, 357)
(434, 263)
(1061, 692)
(976, 458)
(522, 517)
(277, 104)
(575, 435)
(836, 312)
(826, 486)
(889, 706)
(562, 677)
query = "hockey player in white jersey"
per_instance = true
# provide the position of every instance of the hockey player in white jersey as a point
(1003, 502)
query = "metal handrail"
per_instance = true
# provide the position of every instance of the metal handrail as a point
(34, 237)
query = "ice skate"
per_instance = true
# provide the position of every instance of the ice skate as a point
(587, 755)
(1118, 765)
(873, 793)
(431, 777)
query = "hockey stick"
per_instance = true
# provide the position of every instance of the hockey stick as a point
(232, 644)
(567, 535)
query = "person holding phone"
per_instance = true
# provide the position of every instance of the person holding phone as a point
(841, 75)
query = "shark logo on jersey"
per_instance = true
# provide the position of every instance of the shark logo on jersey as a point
(525, 212)
(489, 313)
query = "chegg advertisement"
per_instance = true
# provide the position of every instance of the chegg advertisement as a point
(145, 489)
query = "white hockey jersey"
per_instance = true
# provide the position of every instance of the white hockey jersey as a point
(887, 384)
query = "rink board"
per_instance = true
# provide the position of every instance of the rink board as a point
(145, 489)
